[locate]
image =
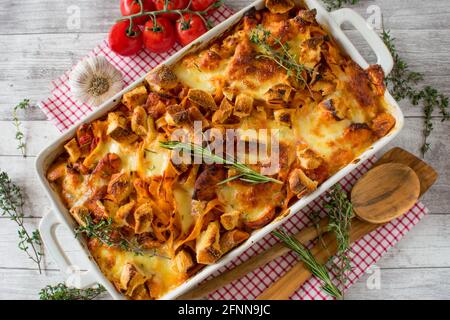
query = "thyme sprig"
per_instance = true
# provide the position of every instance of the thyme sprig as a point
(246, 174)
(63, 292)
(336, 4)
(310, 262)
(108, 234)
(340, 213)
(12, 205)
(20, 137)
(281, 56)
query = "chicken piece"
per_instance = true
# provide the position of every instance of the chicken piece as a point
(131, 279)
(194, 114)
(202, 99)
(143, 217)
(243, 106)
(139, 123)
(207, 247)
(162, 79)
(136, 97)
(182, 262)
(97, 209)
(376, 76)
(278, 94)
(358, 135)
(232, 239)
(80, 213)
(119, 187)
(118, 129)
(284, 116)
(382, 124)
(123, 214)
(279, 6)
(206, 183)
(299, 183)
(311, 51)
(230, 220)
(223, 113)
(107, 166)
(156, 106)
(176, 115)
(308, 159)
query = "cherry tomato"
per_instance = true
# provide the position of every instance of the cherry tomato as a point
(160, 38)
(123, 41)
(190, 29)
(202, 5)
(172, 5)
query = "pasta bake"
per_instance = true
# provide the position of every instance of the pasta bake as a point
(151, 222)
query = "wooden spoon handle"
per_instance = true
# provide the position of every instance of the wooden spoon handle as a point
(304, 236)
(286, 286)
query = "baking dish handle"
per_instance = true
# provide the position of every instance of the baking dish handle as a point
(384, 57)
(76, 278)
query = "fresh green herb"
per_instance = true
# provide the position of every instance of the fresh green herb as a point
(63, 292)
(12, 206)
(282, 56)
(108, 234)
(401, 80)
(340, 213)
(246, 174)
(314, 217)
(336, 4)
(310, 262)
(403, 83)
(19, 134)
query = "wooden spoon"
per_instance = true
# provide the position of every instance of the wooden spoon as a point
(383, 194)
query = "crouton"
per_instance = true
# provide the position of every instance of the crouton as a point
(208, 247)
(136, 97)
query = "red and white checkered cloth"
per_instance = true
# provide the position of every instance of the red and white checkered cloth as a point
(64, 112)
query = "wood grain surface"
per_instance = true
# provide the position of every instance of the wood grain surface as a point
(37, 46)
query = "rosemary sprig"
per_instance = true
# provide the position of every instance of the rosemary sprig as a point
(246, 174)
(104, 232)
(403, 83)
(340, 212)
(282, 56)
(310, 262)
(336, 4)
(63, 292)
(12, 206)
(19, 134)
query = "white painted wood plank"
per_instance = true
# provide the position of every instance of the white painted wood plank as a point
(50, 16)
(396, 284)
(405, 284)
(19, 260)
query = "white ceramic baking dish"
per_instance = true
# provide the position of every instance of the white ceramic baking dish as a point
(332, 21)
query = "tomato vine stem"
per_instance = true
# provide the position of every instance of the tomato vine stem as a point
(181, 12)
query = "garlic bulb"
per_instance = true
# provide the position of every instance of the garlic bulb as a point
(95, 80)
